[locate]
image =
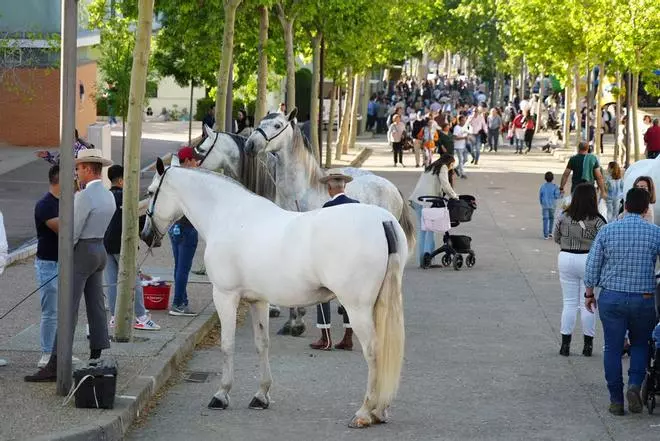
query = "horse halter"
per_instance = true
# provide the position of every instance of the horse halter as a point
(262, 133)
(217, 135)
(150, 210)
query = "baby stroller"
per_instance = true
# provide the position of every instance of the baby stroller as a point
(454, 246)
(651, 383)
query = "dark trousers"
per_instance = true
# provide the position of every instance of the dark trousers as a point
(89, 258)
(397, 147)
(493, 138)
(323, 316)
(649, 155)
(529, 136)
(184, 245)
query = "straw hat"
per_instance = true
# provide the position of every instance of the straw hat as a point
(92, 155)
(335, 174)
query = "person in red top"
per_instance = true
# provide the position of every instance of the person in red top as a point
(529, 124)
(519, 131)
(652, 140)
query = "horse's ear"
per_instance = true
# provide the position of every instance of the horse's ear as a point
(160, 167)
(293, 114)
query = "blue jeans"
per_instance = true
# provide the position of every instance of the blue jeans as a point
(621, 312)
(45, 270)
(548, 220)
(474, 145)
(425, 239)
(111, 271)
(656, 336)
(462, 155)
(184, 245)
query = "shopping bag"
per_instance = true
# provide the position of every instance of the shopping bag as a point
(436, 219)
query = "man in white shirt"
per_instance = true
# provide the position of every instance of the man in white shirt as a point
(460, 145)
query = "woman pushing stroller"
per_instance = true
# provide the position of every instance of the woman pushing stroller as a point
(435, 180)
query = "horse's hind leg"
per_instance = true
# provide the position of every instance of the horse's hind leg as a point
(298, 326)
(363, 326)
(286, 327)
(226, 304)
(259, 312)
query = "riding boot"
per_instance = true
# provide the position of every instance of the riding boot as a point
(588, 346)
(46, 374)
(565, 345)
(346, 343)
(324, 343)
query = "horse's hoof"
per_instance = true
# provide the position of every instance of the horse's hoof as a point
(285, 330)
(217, 404)
(302, 312)
(256, 403)
(274, 313)
(359, 423)
(298, 330)
(378, 419)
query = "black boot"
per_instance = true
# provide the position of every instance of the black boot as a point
(588, 346)
(94, 354)
(46, 374)
(565, 345)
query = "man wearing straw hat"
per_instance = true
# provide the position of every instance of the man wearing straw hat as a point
(93, 209)
(336, 181)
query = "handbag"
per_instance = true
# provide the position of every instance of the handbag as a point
(436, 219)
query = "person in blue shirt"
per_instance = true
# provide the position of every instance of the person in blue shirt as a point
(622, 263)
(548, 195)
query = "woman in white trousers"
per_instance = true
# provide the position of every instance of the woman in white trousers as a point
(574, 231)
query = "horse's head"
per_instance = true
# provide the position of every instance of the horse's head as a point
(162, 211)
(275, 132)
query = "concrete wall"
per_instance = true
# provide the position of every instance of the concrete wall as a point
(30, 106)
(170, 93)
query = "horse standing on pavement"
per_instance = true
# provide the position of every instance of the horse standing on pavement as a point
(259, 252)
(290, 164)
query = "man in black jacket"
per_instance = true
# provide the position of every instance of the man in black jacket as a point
(112, 242)
(336, 182)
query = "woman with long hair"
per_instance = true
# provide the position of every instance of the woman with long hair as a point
(434, 181)
(395, 135)
(574, 231)
(646, 183)
(614, 184)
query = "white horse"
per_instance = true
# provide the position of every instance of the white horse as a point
(298, 172)
(261, 253)
(645, 167)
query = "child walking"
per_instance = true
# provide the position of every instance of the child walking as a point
(548, 196)
(614, 184)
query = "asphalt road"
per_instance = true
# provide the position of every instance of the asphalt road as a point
(481, 357)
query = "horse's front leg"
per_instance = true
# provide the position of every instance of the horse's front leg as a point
(259, 312)
(226, 304)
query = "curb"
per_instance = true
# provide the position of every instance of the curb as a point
(142, 388)
(21, 254)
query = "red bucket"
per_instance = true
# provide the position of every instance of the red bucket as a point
(156, 296)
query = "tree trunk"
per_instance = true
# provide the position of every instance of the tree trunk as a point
(316, 87)
(539, 104)
(364, 103)
(423, 68)
(262, 67)
(124, 312)
(617, 118)
(567, 113)
(352, 132)
(345, 121)
(287, 26)
(578, 114)
(599, 113)
(192, 89)
(633, 116)
(331, 123)
(587, 113)
(230, 7)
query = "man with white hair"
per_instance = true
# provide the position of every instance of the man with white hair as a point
(336, 182)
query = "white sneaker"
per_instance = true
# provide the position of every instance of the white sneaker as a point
(3, 362)
(43, 361)
(146, 325)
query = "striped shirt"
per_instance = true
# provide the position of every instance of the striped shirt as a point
(576, 236)
(623, 256)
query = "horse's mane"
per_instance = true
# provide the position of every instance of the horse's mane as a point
(302, 150)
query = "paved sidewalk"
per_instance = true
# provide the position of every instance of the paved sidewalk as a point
(481, 358)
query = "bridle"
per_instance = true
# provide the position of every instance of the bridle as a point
(150, 210)
(217, 135)
(262, 133)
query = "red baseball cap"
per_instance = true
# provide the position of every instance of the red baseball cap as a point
(186, 153)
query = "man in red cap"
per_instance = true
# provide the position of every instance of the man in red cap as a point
(184, 244)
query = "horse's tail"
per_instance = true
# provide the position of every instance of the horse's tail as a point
(388, 319)
(408, 224)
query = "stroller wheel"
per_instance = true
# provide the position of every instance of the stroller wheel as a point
(470, 260)
(446, 259)
(458, 261)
